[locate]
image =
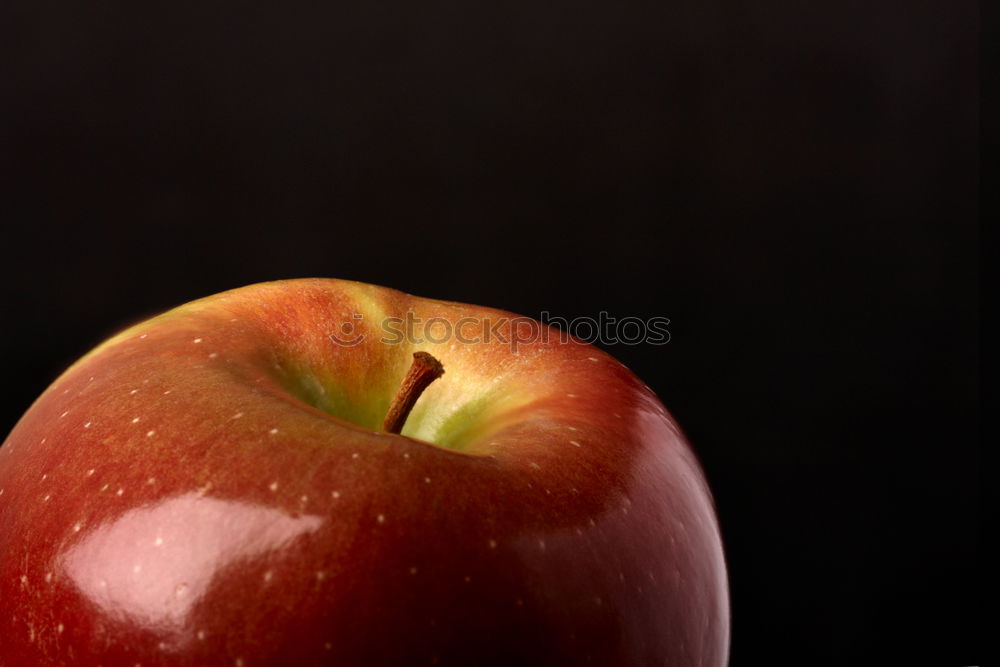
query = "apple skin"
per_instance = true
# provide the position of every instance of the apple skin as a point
(185, 495)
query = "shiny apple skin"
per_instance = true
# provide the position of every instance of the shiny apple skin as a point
(169, 500)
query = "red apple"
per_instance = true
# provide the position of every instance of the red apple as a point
(213, 487)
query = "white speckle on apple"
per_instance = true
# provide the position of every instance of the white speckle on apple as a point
(60, 628)
(162, 646)
(273, 486)
(24, 580)
(45, 476)
(355, 455)
(571, 395)
(406, 455)
(48, 577)
(204, 489)
(413, 570)
(137, 568)
(90, 473)
(150, 433)
(87, 425)
(427, 480)
(572, 428)
(380, 518)
(593, 358)
(213, 355)
(77, 527)
(574, 443)
(273, 431)
(180, 590)
(142, 336)
(167, 392)
(579, 531)
(591, 522)
(321, 575)
(46, 498)
(105, 487)
(196, 340)
(335, 494)
(158, 541)
(618, 415)
(237, 415)
(535, 465)
(239, 662)
(201, 635)
(492, 543)
(135, 420)
(133, 392)
(268, 575)
(120, 491)
(64, 414)
(541, 544)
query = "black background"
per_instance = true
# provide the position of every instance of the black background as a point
(793, 184)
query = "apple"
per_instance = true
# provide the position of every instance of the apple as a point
(220, 485)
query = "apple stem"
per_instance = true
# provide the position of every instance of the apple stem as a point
(424, 370)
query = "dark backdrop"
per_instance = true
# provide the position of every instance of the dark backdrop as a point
(792, 183)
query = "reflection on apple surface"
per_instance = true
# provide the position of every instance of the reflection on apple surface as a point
(154, 563)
